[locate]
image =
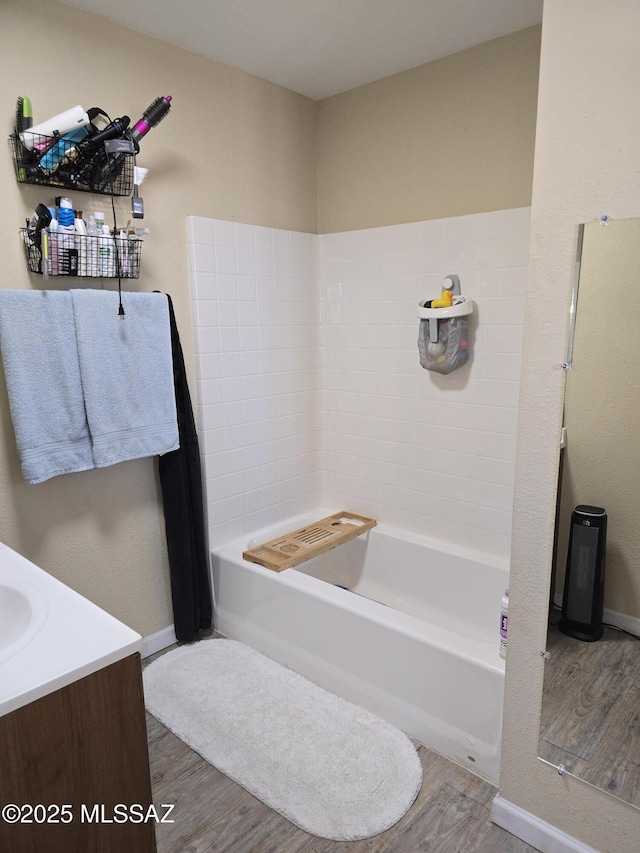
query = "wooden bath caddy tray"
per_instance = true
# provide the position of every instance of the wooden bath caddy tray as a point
(301, 545)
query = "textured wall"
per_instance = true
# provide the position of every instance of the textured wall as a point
(233, 146)
(254, 301)
(251, 158)
(586, 165)
(450, 137)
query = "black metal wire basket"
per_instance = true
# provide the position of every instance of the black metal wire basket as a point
(81, 255)
(58, 161)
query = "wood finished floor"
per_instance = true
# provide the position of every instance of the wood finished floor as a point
(213, 814)
(591, 710)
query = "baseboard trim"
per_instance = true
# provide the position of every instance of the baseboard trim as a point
(156, 642)
(612, 617)
(622, 620)
(534, 831)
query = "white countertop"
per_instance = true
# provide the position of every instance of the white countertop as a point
(66, 637)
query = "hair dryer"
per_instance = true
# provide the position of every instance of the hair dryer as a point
(112, 131)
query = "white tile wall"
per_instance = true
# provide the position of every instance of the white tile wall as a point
(429, 453)
(310, 388)
(254, 312)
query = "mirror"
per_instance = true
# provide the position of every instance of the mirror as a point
(590, 720)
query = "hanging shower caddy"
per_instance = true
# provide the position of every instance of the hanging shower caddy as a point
(88, 256)
(443, 338)
(69, 152)
(102, 173)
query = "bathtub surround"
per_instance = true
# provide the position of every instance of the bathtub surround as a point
(309, 383)
(263, 725)
(429, 454)
(255, 316)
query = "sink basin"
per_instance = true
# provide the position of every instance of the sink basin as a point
(50, 636)
(23, 612)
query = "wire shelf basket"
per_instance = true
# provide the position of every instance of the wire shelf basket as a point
(62, 161)
(82, 255)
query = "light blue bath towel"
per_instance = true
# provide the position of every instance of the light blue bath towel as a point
(126, 370)
(42, 373)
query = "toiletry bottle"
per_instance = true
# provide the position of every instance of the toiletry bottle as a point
(81, 243)
(107, 253)
(101, 246)
(133, 244)
(92, 248)
(67, 252)
(504, 619)
(122, 259)
(56, 126)
(53, 247)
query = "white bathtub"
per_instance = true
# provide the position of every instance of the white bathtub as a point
(426, 659)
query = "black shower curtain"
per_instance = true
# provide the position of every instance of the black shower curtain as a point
(181, 483)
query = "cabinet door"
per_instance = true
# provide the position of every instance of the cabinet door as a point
(84, 746)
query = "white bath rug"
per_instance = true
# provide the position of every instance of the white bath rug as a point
(330, 767)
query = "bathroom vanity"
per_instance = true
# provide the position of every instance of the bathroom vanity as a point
(73, 746)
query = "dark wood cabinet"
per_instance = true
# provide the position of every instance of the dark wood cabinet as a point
(83, 747)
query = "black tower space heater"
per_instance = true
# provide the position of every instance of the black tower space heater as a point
(583, 599)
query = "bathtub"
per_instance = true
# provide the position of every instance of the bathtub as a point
(413, 637)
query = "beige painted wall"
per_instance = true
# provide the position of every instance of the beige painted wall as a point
(586, 164)
(232, 147)
(238, 148)
(602, 404)
(101, 531)
(450, 137)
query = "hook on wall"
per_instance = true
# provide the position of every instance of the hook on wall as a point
(454, 284)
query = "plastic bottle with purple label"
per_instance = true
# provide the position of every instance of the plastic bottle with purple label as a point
(504, 619)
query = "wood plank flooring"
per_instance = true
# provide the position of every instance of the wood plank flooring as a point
(213, 814)
(591, 710)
